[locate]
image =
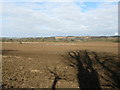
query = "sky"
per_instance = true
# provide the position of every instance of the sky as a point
(44, 18)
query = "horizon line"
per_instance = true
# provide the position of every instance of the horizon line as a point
(57, 36)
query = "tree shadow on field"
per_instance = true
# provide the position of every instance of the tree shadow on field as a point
(94, 70)
(112, 73)
(87, 75)
(3, 52)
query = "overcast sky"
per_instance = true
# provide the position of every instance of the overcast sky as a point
(74, 18)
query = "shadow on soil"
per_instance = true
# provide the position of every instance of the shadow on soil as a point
(87, 76)
(113, 74)
(93, 70)
(3, 52)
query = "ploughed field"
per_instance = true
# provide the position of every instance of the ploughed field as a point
(60, 65)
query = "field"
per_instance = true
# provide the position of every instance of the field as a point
(60, 65)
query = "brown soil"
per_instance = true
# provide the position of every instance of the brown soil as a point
(28, 65)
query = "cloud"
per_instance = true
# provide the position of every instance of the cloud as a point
(116, 33)
(58, 18)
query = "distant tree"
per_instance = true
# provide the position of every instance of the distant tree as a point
(43, 39)
(11, 40)
(72, 40)
(66, 39)
(20, 41)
